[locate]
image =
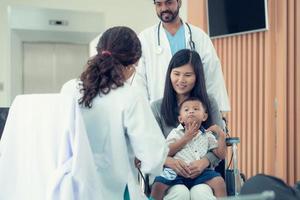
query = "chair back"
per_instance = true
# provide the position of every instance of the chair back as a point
(3, 116)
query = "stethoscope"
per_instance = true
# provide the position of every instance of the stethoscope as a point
(159, 48)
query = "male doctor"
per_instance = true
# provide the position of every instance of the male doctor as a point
(159, 43)
(163, 40)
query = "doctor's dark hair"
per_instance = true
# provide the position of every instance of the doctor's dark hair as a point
(169, 107)
(117, 48)
(155, 1)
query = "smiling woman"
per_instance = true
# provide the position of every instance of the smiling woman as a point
(184, 79)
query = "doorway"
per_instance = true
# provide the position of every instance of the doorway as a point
(47, 66)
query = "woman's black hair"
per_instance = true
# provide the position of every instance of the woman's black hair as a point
(169, 107)
(117, 48)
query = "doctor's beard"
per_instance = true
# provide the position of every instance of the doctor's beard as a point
(170, 17)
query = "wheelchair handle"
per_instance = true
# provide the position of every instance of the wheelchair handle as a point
(232, 140)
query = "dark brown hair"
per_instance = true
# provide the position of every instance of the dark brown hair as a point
(192, 99)
(117, 48)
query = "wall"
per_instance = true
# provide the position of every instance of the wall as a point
(124, 13)
(262, 76)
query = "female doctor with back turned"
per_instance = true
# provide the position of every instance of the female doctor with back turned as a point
(119, 121)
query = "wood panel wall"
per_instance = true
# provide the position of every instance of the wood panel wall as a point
(262, 77)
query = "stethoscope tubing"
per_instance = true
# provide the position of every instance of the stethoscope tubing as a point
(191, 42)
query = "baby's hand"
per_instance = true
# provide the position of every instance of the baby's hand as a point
(191, 130)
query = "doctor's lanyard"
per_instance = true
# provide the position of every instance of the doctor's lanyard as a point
(159, 48)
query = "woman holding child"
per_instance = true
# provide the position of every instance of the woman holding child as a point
(185, 78)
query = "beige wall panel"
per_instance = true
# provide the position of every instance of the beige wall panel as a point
(260, 114)
(290, 93)
(262, 76)
(297, 89)
(281, 77)
(238, 100)
(229, 78)
(197, 13)
(253, 96)
(268, 85)
(243, 107)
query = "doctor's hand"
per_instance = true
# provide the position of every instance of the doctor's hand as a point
(198, 166)
(179, 166)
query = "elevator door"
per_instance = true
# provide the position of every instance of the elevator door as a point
(47, 66)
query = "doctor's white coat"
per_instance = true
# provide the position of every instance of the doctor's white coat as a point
(153, 65)
(120, 126)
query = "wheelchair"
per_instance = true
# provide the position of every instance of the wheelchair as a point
(232, 176)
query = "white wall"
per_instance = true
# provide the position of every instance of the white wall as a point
(16, 65)
(137, 14)
(4, 57)
(183, 10)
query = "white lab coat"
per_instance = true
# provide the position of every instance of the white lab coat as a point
(120, 125)
(153, 66)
